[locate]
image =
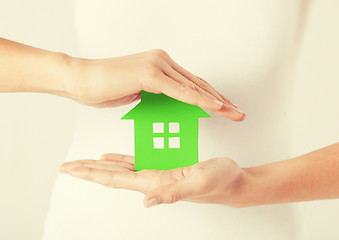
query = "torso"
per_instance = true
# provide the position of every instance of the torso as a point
(239, 47)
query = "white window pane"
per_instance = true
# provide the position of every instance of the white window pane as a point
(174, 142)
(158, 142)
(158, 127)
(174, 127)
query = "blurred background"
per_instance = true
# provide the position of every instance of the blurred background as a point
(36, 129)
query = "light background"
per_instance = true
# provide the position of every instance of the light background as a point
(36, 129)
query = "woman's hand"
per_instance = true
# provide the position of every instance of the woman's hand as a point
(311, 176)
(106, 82)
(118, 81)
(218, 180)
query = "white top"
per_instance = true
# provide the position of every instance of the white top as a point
(240, 47)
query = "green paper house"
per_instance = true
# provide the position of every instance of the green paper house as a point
(165, 132)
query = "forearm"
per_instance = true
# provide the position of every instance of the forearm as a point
(28, 69)
(312, 176)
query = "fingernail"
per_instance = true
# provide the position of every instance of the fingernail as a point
(151, 202)
(65, 167)
(62, 169)
(237, 110)
(218, 102)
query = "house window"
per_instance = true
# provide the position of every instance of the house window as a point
(168, 135)
(158, 142)
(174, 142)
(158, 127)
(173, 127)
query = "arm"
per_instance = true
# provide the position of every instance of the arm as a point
(28, 69)
(312, 176)
(309, 177)
(106, 82)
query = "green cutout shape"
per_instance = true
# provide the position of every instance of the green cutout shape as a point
(176, 132)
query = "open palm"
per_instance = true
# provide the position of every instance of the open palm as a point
(213, 181)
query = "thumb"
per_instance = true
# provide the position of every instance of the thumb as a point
(169, 194)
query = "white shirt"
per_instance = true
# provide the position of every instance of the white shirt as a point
(243, 49)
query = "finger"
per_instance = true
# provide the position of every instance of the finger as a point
(202, 84)
(65, 167)
(232, 113)
(170, 72)
(109, 164)
(100, 164)
(116, 168)
(118, 157)
(196, 80)
(113, 179)
(110, 167)
(235, 107)
(127, 165)
(171, 193)
(185, 93)
(106, 162)
(116, 163)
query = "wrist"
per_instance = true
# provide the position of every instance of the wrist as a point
(79, 86)
(68, 70)
(254, 187)
(267, 184)
(50, 72)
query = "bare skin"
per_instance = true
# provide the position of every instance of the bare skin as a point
(312, 176)
(106, 82)
(118, 81)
